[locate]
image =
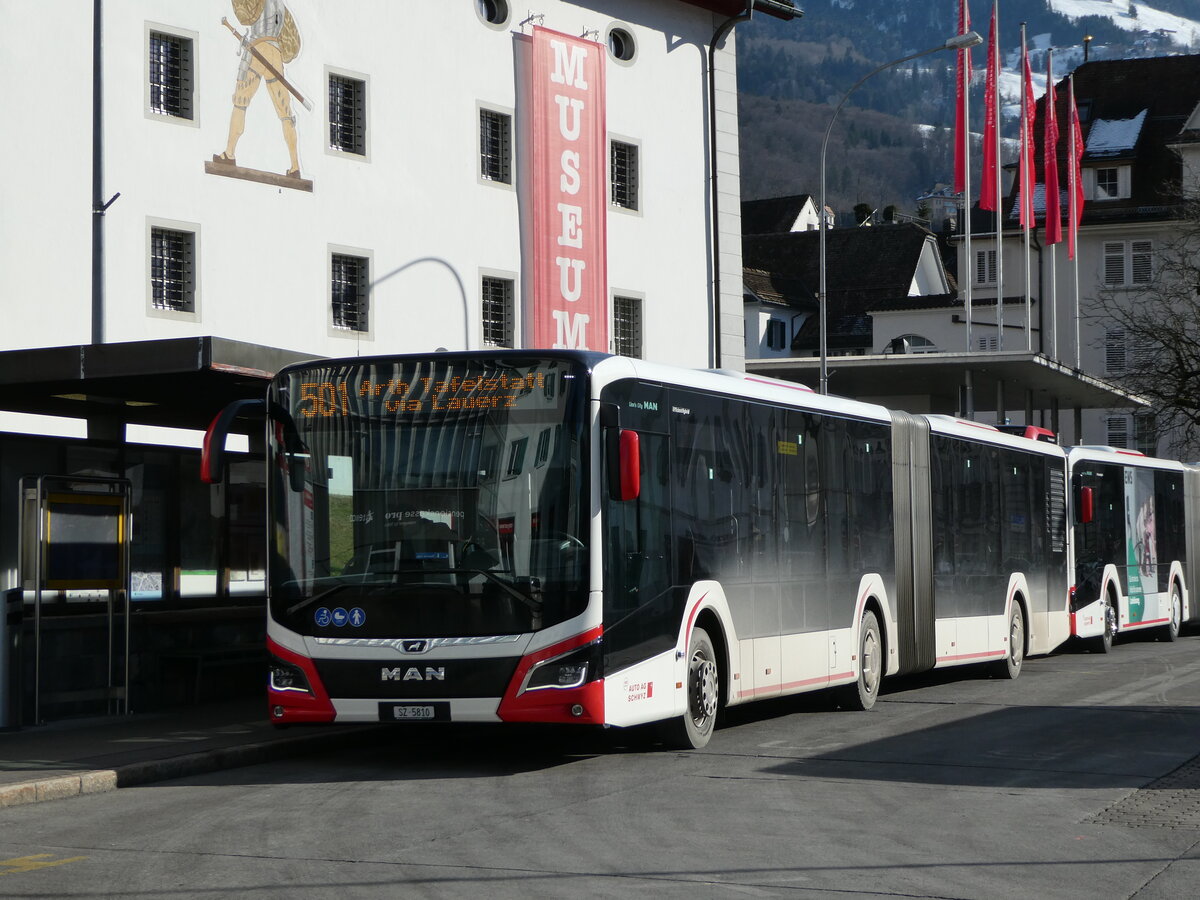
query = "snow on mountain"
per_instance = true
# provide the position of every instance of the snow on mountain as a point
(1130, 16)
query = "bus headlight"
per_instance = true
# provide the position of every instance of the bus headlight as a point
(570, 670)
(288, 678)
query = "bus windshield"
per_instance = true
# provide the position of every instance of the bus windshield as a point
(440, 497)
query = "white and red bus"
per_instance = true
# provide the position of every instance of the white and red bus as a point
(558, 536)
(1131, 541)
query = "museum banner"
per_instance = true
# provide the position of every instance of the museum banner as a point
(569, 167)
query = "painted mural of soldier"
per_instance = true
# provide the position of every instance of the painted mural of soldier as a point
(271, 41)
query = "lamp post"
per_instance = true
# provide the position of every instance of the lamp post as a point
(958, 42)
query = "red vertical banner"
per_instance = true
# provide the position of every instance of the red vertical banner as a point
(1075, 178)
(991, 122)
(569, 177)
(961, 125)
(1050, 156)
(1028, 107)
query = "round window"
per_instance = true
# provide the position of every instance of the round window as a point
(494, 12)
(620, 44)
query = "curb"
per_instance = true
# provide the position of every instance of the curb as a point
(101, 781)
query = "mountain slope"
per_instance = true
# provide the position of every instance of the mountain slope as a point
(791, 75)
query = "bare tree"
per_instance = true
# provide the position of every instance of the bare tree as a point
(1160, 321)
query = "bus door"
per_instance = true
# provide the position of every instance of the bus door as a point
(643, 606)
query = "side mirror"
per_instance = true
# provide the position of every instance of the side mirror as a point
(630, 483)
(212, 456)
(1087, 505)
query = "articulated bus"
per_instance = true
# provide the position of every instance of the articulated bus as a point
(1131, 543)
(560, 536)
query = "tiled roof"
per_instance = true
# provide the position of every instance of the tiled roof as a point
(861, 264)
(865, 268)
(778, 289)
(772, 215)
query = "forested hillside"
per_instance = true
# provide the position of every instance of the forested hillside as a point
(892, 142)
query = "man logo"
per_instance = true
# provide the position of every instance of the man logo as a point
(414, 646)
(412, 673)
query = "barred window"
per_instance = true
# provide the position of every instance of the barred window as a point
(172, 270)
(171, 75)
(497, 308)
(347, 114)
(624, 175)
(349, 277)
(495, 146)
(627, 327)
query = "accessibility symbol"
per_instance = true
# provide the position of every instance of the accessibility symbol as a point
(339, 617)
(357, 617)
(323, 617)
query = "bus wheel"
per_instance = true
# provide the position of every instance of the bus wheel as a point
(1170, 631)
(1010, 667)
(862, 694)
(1104, 643)
(692, 730)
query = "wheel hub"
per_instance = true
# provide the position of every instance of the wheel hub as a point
(704, 688)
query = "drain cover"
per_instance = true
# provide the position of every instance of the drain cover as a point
(1172, 801)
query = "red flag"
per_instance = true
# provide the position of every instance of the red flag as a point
(1050, 157)
(991, 122)
(963, 82)
(1028, 174)
(1075, 179)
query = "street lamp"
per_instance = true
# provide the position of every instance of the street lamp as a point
(958, 42)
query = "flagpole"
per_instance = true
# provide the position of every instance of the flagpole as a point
(999, 190)
(1027, 187)
(964, 65)
(1073, 213)
(1050, 158)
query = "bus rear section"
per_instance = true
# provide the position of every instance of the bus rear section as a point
(1129, 545)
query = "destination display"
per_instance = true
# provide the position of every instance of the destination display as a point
(344, 396)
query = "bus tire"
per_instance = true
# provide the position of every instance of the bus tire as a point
(694, 728)
(1170, 631)
(1104, 643)
(865, 690)
(1010, 666)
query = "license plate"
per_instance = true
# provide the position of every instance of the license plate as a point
(414, 712)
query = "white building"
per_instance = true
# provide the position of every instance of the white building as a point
(393, 191)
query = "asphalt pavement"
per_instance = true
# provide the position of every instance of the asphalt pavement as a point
(88, 756)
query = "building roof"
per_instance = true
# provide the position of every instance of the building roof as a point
(777, 290)
(1130, 110)
(780, 9)
(853, 286)
(773, 215)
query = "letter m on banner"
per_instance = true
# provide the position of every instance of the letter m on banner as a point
(568, 194)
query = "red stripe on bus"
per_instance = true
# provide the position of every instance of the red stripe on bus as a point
(794, 684)
(687, 634)
(1147, 622)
